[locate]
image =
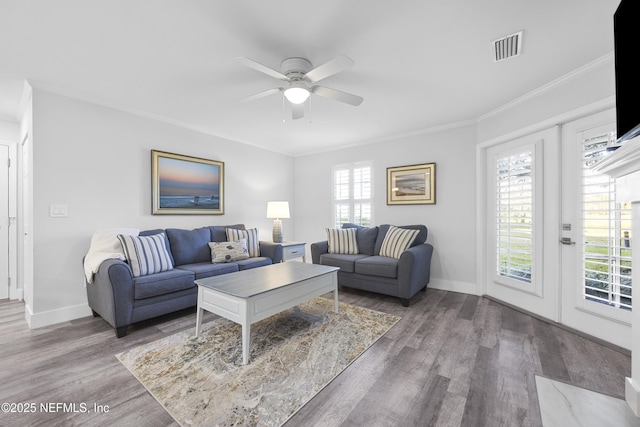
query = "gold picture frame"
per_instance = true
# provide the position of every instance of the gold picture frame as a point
(411, 185)
(185, 185)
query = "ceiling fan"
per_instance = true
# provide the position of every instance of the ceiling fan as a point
(301, 77)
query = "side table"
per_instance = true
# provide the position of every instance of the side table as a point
(292, 250)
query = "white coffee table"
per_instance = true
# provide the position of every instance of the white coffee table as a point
(248, 296)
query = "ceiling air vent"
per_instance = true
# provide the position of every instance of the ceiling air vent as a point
(507, 47)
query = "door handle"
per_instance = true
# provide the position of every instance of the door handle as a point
(567, 241)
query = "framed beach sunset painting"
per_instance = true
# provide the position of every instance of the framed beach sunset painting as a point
(412, 185)
(186, 185)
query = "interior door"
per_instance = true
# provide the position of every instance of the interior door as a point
(522, 213)
(4, 221)
(596, 232)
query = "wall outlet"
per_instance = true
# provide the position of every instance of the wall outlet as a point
(59, 211)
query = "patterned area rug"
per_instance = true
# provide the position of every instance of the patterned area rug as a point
(293, 355)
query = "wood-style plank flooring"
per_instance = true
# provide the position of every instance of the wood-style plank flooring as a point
(453, 360)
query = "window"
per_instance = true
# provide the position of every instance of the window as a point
(353, 194)
(606, 225)
(514, 207)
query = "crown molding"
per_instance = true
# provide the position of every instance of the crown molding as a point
(603, 60)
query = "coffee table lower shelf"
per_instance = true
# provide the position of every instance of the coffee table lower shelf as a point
(251, 309)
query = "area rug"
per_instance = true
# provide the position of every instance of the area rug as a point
(293, 355)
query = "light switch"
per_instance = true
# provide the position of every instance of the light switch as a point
(58, 211)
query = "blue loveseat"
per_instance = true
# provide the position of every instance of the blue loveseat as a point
(122, 299)
(367, 270)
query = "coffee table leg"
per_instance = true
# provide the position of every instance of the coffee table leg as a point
(199, 315)
(246, 342)
(335, 299)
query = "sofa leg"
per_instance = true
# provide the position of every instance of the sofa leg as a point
(424, 289)
(121, 331)
(405, 302)
(94, 313)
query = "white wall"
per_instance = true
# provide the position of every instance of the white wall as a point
(451, 221)
(9, 131)
(97, 161)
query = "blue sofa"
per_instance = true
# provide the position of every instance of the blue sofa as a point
(367, 270)
(122, 299)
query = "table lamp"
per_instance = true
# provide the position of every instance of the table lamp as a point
(277, 210)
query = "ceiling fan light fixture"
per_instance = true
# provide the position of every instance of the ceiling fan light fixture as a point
(297, 94)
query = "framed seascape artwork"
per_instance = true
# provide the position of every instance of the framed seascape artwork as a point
(412, 185)
(183, 185)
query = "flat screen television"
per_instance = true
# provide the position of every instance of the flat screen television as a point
(626, 47)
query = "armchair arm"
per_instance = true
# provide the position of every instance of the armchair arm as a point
(271, 250)
(414, 269)
(111, 294)
(318, 249)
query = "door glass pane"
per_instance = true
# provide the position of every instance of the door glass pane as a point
(514, 216)
(606, 225)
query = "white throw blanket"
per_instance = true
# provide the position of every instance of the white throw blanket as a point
(105, 245)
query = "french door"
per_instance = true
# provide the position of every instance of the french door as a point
(596, 235)
(558, 237)
(522, 213)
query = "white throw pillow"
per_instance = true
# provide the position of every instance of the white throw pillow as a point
(396, 241)
(146, 254)
(251, 236)
(228, 251)
(342, 241)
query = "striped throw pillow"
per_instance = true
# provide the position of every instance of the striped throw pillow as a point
(146, 254)
(396, 241)
(251, 236)
(342, 241)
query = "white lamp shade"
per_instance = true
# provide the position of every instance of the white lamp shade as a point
(277, 209)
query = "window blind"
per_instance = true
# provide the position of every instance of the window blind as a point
(606, 231)
(514, 208)
(353, 194)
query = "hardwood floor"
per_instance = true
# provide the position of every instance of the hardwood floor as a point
(453, 360)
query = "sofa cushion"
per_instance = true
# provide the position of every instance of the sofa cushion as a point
(162, 283)
(228, 251)
(365, 237)
(396, 241)
(382, 232)
(189, 246)
(251, 236)
(254, 262)
(345, 262)
(377, 266)
(146, 254)
(207, 269)
(342, 241)
(219, 232)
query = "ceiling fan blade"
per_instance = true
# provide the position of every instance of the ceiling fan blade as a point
(262, 68)
(337, 95)
(297, 110)
(261, 94)
(329, 68)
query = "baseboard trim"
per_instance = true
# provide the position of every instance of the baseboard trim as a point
(51, 317)
(453, 286)
(632, 396)
(17, 294)
(564, 327)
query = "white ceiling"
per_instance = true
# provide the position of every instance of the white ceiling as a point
(419, 64)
